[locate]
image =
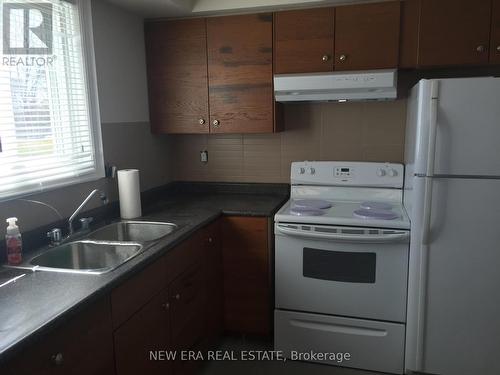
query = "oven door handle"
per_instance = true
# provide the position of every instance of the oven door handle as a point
(398, 236)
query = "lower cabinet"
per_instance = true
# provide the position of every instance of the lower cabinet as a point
(81, 346)
(139, 340)
(247, 275)
(180, 318)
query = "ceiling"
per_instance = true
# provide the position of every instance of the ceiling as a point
(191, 8)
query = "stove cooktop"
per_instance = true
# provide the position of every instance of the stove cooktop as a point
(345, 212)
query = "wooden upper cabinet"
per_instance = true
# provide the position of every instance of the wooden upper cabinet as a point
(495, 33)
(177, 76)
(367, 36)
(240, 51)
(454, 32)
(303, 41)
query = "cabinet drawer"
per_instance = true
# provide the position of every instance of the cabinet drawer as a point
(134, 293)
(372, 345)
(83, 345)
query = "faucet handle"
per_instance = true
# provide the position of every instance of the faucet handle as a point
(55, 236)
(85, 222)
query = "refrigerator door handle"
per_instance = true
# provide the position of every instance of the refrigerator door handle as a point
(433, 109)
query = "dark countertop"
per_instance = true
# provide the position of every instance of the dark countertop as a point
(40, 301)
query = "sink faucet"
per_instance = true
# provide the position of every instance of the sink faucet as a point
(104, 200)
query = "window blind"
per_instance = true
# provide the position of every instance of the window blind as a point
(47, 134)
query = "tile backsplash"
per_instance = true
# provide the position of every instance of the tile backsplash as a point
(359, 131)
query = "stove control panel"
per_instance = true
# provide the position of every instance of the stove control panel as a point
(347, 174)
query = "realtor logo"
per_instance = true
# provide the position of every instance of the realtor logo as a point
(27, 29)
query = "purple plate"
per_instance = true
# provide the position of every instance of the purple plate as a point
(376, 214)
(376, 206)
(311, 203)
(306, 211)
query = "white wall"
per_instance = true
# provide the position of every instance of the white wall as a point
(121, 64)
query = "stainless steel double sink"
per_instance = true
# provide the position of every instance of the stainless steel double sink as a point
(103, 250)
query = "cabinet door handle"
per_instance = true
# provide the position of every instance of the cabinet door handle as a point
(57, 359)
(201, 121)
(177, 296)
(216, 123)
(325, 58)
(343, 58)
(498, 48)
(481, 49)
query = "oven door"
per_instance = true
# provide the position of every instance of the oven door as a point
(347, 271)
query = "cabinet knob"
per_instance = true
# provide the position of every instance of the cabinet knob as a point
(481, 49)
(201, 121)
(498, 48)
(165, 306)
(325, 58)
(343, 57)
(57, 359)
(216, 123)
(177, 296)
(210, 240)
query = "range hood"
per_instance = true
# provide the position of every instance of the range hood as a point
(339, 86)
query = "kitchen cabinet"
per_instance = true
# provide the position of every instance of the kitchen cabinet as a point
(81, 346)
(147, 330)
(240, 73)
(304, 40)
(176, 53)
(367, 36)
(211, 75)
(172, 305)
(454, 32)
(495, 33)
(247, 274)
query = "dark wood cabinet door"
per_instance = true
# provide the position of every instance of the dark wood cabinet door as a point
(247, 276)
(81, 346)
(495, 33)
(303, 41)
(240, 73)
(145, 331)
(367, 36)
(214, 281)
(177, 76)
(454, 32)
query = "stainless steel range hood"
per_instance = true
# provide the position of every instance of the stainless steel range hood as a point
(341, 86)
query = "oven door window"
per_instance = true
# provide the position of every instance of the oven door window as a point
(339, 265)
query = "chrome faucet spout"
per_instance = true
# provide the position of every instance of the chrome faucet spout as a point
(77, 211)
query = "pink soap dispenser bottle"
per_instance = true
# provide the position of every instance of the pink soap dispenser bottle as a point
(14, 243)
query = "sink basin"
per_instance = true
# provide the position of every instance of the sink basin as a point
(136, 231)
(87, 256)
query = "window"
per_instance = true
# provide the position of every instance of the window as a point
(49, 122)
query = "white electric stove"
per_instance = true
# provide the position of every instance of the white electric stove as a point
(341, 264)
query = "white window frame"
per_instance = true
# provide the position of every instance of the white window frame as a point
(90, 76)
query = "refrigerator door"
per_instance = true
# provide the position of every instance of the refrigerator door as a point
(454, 325)
(453, 127)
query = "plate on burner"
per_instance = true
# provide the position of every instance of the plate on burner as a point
(306, 211)
(311, 203)
(376, 214)
(376, 206)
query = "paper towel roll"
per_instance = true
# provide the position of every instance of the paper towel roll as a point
(130, 193)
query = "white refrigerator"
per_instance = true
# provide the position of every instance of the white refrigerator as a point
(452, 194)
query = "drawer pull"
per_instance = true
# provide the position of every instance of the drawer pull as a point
(338, 328)
(177, 296)
(57, 359)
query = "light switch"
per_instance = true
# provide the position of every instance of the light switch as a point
(204, 156)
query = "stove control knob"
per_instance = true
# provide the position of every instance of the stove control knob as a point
(381, 172)
(392, 173)
(302, 170)
(312, 170)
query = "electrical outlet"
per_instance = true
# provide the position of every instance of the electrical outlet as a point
(204, 156)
